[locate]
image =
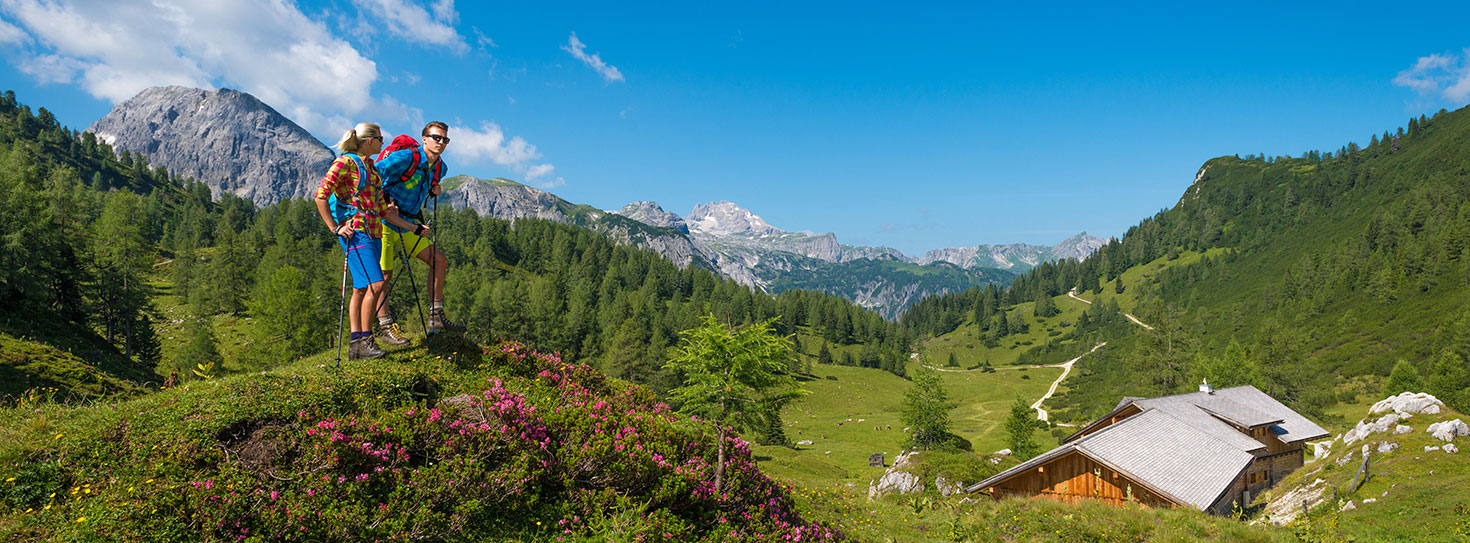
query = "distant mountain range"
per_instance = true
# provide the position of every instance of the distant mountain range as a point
(235, 143)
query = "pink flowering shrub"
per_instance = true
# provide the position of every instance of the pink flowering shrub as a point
(540, 449)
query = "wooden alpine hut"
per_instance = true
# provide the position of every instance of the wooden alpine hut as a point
(1208, 450)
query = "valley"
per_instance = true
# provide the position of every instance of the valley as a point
(1325, 281)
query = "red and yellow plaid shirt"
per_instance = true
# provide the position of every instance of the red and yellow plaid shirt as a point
(341, 179)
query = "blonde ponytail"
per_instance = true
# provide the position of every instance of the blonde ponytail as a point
(354, 137)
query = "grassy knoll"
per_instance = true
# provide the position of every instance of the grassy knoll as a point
(451, 442)
(1417, 495)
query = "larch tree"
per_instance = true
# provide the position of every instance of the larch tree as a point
(732, 376)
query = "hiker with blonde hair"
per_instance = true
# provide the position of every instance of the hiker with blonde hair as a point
(350, 201)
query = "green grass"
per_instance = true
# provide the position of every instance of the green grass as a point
(931, 518)
(1420, 496)
(1138, 275)
(967, 343)
(854, 412)
(231, 331)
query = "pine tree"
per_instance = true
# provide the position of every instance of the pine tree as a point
(1020, 431)
(1403, 378)
(824, 356)
(925, 410)
(202, 348)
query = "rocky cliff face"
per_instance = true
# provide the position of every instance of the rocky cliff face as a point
(725, 218)
(508, 200)
(504, 199)
(1077, 247)
(227, 139)
(651, 213)
(1018, 257)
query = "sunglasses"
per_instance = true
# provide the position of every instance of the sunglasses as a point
(438, 138)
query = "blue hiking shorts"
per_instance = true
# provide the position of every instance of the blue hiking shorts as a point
(363, 252)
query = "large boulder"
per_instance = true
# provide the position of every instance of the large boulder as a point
(895, 480)
(1365, 428)
(1409, 402)
(1449, 430)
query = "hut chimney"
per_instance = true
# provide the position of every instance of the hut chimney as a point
(1204, 386)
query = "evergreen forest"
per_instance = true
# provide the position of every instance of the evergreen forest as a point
(93, 237)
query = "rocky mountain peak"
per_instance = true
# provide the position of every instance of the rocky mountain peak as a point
(651, 213)
(1078, 247)
(725, 218)
(227, 139)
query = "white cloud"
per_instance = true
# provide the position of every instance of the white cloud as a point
(113, 50)
(415, 23)
(10, 35)
(489, 142)
(1439, 76)
(268, 48)
(609, 72)
(482, 41)
(444, 11)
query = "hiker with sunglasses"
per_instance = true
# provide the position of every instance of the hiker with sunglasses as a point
(350, 201)
(411, 174)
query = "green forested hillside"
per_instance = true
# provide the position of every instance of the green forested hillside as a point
(1321, 272)
(102, 254)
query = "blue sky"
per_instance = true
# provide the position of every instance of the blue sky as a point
(911, 125)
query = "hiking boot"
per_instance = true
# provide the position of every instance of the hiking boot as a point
(354, 349)
(369, 349)
(439, 323)
(392, 336)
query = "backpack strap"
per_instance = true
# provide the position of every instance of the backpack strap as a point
(362, 170)
(407, 173)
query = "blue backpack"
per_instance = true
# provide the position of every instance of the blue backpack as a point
(341, 211)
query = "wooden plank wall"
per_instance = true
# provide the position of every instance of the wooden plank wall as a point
(1073, 477)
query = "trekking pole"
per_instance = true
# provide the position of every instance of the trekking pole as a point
(433, 273)
(389, 288)
(341, 311)
(403, 253)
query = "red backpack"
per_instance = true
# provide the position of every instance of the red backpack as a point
(405, 141)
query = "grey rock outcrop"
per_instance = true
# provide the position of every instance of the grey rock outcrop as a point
(947, 487)
(1018, 257)
(503, 199)
(651, 213)
(1365, 428)
(1409, 402)
(896, 480)
(1450, 448)
(226, 139)
(725, 218)
(508, 200)
(1449, 430)
(1387, 447)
